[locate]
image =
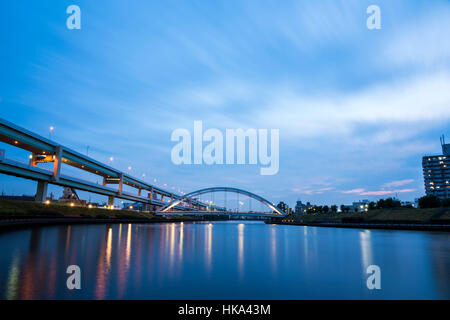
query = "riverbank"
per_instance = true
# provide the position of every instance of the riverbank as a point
(436, 219)
(18, 214)
(396, 226)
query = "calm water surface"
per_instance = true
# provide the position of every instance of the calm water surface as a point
(222, 260)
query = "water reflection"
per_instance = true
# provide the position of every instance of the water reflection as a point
(108, 249)
(273, 247)
(66, 249)
(221, 260)
(180, 243)
(208, 246)
(13, 279)
(241, 249)
(441, 267)
(128, 249)
(366, 249)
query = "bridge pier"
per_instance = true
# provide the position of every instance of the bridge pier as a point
(33, 160)
(41, 192)
(146, 207)
(110, 201)
(120, 182)
(57, 163)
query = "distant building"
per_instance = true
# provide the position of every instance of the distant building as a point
(301, 208)
(360, 206)
(71, 196)
(408, 204)
(436, 173)
(283, 206)
(132, 206)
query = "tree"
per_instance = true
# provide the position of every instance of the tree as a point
(325, 209)
(429, 202)
(388, 203)
(311, 210)
(372, 205)
(334, 208)
(342, 208)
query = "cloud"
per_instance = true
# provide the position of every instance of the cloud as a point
(397, 183)
(382, 113)
(383, 105)
(359, 190)
(385, 192)
(422, 43)
(363, 192)
(311, 190)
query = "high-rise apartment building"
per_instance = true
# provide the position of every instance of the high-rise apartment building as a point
(436, 172)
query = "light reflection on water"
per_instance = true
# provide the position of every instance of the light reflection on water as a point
(222, 260)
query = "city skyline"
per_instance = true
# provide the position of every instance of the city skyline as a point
(356, 108)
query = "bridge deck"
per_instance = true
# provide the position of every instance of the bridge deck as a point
(22, 170)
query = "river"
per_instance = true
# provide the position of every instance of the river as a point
(222, 260)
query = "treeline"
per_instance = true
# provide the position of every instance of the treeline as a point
(380, 204)
(389, 203)
(322, 209)
(433, 202)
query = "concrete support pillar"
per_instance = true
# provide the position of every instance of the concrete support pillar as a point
(139, 192)
(104, 181)
(57, 163)
(33, 159)
(41, 192)
(110, 201)
(150, 195)
(120, 183)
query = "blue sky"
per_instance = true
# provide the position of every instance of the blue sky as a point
(356, 108)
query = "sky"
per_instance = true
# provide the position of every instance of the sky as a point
(356, 108)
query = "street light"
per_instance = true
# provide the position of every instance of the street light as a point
(50, 131)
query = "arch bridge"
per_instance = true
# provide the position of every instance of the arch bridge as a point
(170, 208)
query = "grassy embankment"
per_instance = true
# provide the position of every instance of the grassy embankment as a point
(400, 215)
(23, 209)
